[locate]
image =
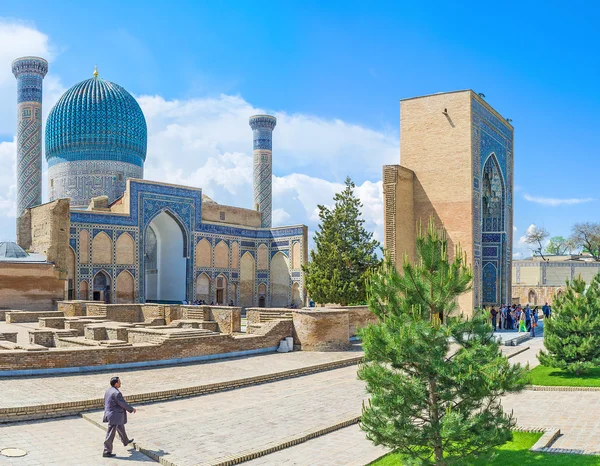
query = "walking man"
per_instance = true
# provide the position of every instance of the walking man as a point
(115, 413)
(546, 310)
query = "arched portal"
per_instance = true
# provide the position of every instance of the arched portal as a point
(532, 298)
(247, 273)
(262, 295)
(83, 290)
(280, 280)
(203, 289)
(221, 290)
(165, 262)
(125, 288)
(296, 300)
(71, 282)
(101, 287)
(493, 231)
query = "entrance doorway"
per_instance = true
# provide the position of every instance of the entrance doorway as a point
(165, 260)
(101, 291)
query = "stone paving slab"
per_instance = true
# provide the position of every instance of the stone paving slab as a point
(201, 430)
(344, 447)
(576, 414)
(30, 391)
(67, 442)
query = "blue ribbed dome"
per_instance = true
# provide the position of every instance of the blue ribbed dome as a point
(96, 120)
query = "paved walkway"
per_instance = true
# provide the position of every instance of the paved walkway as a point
(206, 428)
(67, 442)
(29, 391)
(344, 447)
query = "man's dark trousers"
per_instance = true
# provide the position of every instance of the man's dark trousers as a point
(115, 414)
(110, 436)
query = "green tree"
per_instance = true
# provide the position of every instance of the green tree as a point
(571, 335)
(344, 252)
(557, 245)
(587, 236)
(434, 378)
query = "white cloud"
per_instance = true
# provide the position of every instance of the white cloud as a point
(549, 201)
(18, 39)
(207, 143)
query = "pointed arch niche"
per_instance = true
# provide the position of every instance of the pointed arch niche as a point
(493, 230)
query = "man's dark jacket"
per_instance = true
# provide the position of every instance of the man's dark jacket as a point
(115, 407)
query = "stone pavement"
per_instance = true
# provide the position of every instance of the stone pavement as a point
(344, 447)
(204, 429)
(28, 391)
(69, 441)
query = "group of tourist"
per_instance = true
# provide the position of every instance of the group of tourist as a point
(516, 317)
(201, 302)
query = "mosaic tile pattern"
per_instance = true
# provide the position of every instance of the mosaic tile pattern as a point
(147, 200)
(96, 138)
(82, 180)
(30, 72)
(262, 128)
(492, 143)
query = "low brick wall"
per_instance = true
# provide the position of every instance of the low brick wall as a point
(17, 317)
(358, 317)
(52, 322)
(169, 349)
(9, 336)
(253, 313)
(74, 308)
(78, 325)
(229, 319)
(117, 312)
(42, 337)
(321, 330)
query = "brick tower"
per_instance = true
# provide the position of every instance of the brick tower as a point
(30, 72)
(262, 127)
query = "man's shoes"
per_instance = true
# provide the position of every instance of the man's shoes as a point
(108, 455)
(129, 443)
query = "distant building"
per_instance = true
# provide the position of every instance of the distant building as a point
(537, 281)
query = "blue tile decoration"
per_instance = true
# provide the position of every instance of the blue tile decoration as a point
(262, 129)
(30, 72)
(96, 138)
(149, 199)
(492, 147)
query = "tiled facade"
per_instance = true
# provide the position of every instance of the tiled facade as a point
(149, 199)
(30, 72)
(96, 138)
(492, 206)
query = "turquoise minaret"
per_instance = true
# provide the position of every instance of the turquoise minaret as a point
(30, 72)
(262, 128)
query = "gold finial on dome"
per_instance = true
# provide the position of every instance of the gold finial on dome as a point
(95, 71)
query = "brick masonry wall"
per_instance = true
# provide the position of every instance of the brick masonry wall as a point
(30, 286)
(74, 308)
(229, 319)
(169, 349)
(15, 317)
(322, 330)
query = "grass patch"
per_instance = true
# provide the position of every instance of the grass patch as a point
(550, 376)
(514, 453)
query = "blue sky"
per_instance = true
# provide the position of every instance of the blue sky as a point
(334, 73)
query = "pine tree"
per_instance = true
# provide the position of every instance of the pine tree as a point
(344, 252)
(434, 378)
(571, 335)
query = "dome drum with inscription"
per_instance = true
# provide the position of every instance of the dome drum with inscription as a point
(96, 138)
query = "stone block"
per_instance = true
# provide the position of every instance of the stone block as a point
(52, 322)
(321, 330)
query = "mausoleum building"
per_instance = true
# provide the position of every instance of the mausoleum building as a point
(118, 238)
